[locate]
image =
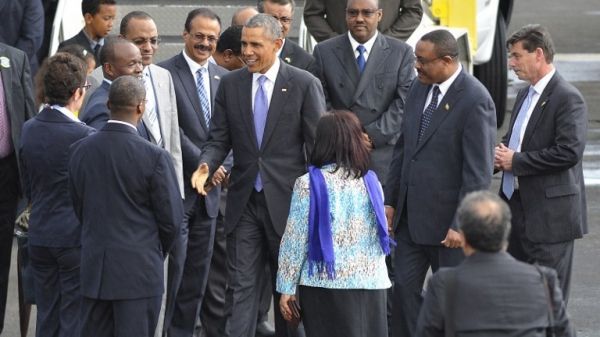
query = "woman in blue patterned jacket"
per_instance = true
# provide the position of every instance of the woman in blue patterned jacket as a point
(333, 250)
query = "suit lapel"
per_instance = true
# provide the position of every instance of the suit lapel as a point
(7, 83)
(343, 51)
(189, 85)
(214, 83)
(536, 114)
(287, 53)
(376, 60)
(245, 96)
(162, 120)
(278, 99)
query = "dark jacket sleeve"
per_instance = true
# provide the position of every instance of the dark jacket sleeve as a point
(406, 22)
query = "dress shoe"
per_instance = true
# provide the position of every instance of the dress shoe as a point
(265, 329)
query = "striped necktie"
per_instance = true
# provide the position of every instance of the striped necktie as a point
(202, 94)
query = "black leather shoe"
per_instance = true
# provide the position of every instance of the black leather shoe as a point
(265, 329)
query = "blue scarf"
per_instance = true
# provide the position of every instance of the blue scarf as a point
(320, 241)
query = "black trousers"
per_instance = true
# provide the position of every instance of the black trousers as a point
(554, 255)
(9, 195)
(343, 312)
(412, 261)
(200, 240)
(57, 290)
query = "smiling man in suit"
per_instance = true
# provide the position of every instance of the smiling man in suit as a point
(369, 74)
(445, 151)
(266, 113)
(541, 156)
(196, 81)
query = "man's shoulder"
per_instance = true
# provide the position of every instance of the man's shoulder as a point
(78, 39)
(169, 64)
(216, 70)
(332, 43)
(394, 43)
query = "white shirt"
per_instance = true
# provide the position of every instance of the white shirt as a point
(368, 45)
(194, 67)
(150, 98)
(124, 123)
(269, 84)
(66, 112)
(444, 86)
(538, 88)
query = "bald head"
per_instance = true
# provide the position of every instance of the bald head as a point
(242, 15)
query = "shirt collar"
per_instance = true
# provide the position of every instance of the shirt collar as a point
(124, 123)
(368, 45)
(194, 66)
(93, 42)
(271, 74)
(543, 82)
(66, 112)
(444, 86)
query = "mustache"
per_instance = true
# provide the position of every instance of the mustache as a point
(202, 47)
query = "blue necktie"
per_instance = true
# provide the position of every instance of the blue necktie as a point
(261, 107)
(204, 104)
(428, 112)
(360, 60)
(508, 181)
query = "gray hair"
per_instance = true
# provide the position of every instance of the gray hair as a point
(484, 219)
(532, 37)
(126, 91)
(270, 24)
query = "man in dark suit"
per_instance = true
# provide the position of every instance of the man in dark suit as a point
(23, 27)
(126, 197)
(325, 18)
(16, 106)
(290, 52)
(196, 81)
(119, 57)
(99, 16)
(267, 113)
(540, 157)
(490, 293)
(369, 74)
(445, 151)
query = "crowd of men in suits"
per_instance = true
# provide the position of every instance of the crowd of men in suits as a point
(232, 117)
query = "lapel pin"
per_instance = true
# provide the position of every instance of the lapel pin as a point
(446, 107)
(4, 62)
(217, 77)
(288, 60)
(284, 90)
(543, 103)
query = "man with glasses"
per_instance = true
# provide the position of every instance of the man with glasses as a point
(196, 81)
(445, 151)
(290, 52)
(325, 18)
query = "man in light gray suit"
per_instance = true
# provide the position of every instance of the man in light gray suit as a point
(540, 157)
(369, 74)
(160, 117)
(266, 113)
(445, 151)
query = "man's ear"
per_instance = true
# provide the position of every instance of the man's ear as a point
(228, 54)
(88, 17)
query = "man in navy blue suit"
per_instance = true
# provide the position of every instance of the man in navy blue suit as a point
(126, 196)
(195, 81)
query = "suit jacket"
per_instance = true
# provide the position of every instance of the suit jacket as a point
(493, 295)
(428, 180)
(23, 27)
(125, 194)
(376, 97)
(294, 55)
(18, 93)
(327, 18)
(193, 129)
(81, 40)
(296, 106)
(44, 158)
(549, 168)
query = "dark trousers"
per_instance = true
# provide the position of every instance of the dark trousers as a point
(57, 292)
(554, 255)
(195, 273)
(266, 295)
(119, 318)
(252, 243)
(412, 261)
(9, 195)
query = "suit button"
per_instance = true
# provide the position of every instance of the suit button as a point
(374, 111)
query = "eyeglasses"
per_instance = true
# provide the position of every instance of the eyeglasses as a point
(201, 37)
(284, 19)
(86, 86)
(367, 13)
(425, 62)
(154, 41)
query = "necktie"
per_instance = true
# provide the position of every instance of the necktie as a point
(508, 181)
(204, 103)
(5, 135)
(151, 111)
(360, 60)
(97, 51)
(428, 113)
(261, 107)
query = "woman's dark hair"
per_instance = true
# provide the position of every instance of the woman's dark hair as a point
(63, 75)
(340, 140)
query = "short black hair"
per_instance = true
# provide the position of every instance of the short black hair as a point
(203, 12)
(443, 41)
(231, 38)
(125, 92)
(484, 219)
(139, 15)
(111, 43)
(532, 37)
(93, 6)
(260, 6)
(64, 74)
